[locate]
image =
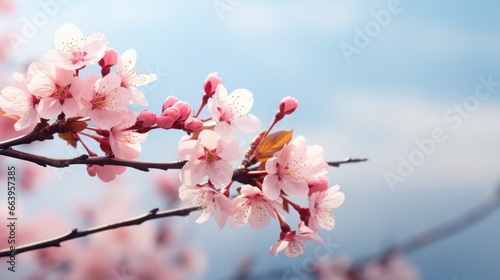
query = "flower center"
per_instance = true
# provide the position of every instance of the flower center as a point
(99, 102)
(210, 156)
(62, 92)
(284, 171)
(225, 115)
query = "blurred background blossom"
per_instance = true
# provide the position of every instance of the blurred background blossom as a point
(407, 80)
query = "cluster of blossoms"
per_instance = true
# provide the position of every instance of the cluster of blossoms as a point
(274, 169)
(54, 89)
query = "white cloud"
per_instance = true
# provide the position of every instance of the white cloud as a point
(392, 125)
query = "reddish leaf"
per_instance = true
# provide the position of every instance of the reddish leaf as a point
(68, 137)
(76, 125)
(272, 144)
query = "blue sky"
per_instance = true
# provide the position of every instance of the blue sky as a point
(394, 92)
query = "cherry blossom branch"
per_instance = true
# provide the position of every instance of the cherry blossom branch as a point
(42, 131)
(347, 160)
(468, 219)
(75, 233)
(143, 166)
(85, 159)
(440, 232)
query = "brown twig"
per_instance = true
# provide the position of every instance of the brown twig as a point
(41, 132)
(468, 219)
(75, 233)
(347, 160)
(440, 232)
(239, 175)
(143, 166)
(85, 159)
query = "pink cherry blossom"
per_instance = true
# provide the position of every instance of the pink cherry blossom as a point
(59, 91)
(7, 127)
(321, 205)
(132, 79)
(231, 112)
(167, 184)
(318, 173)
(18, 102)
(7, 6)
(126, 144)
(287, 171)
(73, 51)
(293, 243)
(106, 173)
(208, 155)
(394, 268)
(252, 207)
(211, 200)
(333, 269)
(106, 103)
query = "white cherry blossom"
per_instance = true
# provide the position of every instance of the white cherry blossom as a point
(74, 51)
(230, 113)
(132, 79)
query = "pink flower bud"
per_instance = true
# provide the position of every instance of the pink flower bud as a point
(167, 119)
(91, 170)
(193, 125)
(169, 102)
(105, 146)
(319, 185)
(211, 83)
(184, 110)
(109, 59)
(288, 105)
(146, 118)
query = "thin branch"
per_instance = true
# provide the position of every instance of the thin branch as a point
(75, 233)
(347, 160)
(419, 241)
(440, 232)
(140, 165)
(468, 219)
(239, 174)
(41, 132)
(85, 159)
